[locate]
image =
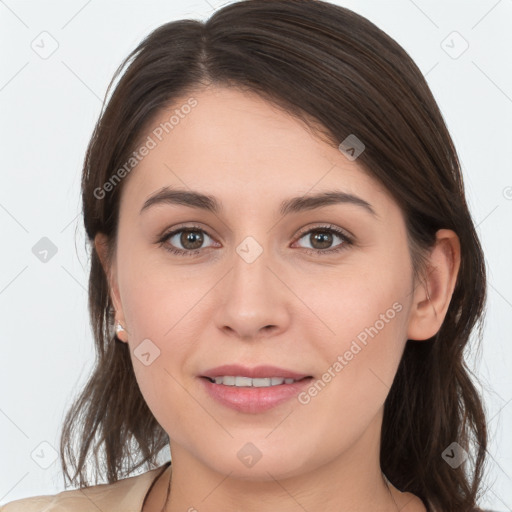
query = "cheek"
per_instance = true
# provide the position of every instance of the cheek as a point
(363, 302)
(364, 313)
(360, 364)
(158, 362)
(159, 311)
(157, 299)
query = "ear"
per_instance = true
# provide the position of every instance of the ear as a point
(432, 298)
(100, 244)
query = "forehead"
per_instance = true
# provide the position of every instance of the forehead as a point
(237, 146)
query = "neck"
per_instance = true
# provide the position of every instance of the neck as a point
(351, 481)
(287, 495)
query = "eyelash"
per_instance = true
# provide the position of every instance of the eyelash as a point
(347, 241)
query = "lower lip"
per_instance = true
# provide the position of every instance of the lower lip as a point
(251, 399)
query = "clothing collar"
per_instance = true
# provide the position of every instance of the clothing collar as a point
(125, 495)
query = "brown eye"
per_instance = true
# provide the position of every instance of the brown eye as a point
(186, 241)
(191, 239)
(321, 240)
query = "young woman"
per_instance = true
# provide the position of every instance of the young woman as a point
(284, 276)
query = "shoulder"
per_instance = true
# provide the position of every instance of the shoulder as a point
(126, 495)
(34, 504)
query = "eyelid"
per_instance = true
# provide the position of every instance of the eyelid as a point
(185, 226)
(326, 226)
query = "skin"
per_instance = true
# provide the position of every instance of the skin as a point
(213, 308)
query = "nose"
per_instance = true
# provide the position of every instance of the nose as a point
(253, 300)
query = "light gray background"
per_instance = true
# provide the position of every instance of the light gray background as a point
(48, 110)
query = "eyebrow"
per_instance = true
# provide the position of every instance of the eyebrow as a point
(193, 199)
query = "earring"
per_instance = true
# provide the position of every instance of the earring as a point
(119, 328)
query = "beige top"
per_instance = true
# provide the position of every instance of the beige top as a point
(126, 495)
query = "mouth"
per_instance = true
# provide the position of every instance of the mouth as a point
(236, 374)
(253, 390)
(248, 382)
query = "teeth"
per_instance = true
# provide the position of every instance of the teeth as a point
(248, 382)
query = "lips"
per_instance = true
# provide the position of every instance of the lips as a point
(264, 371)
(253, 400)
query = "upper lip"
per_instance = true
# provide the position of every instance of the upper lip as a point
(264, 371)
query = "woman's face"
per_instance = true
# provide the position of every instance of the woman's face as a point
(259, 284)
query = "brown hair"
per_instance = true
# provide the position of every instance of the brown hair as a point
(341, 74)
